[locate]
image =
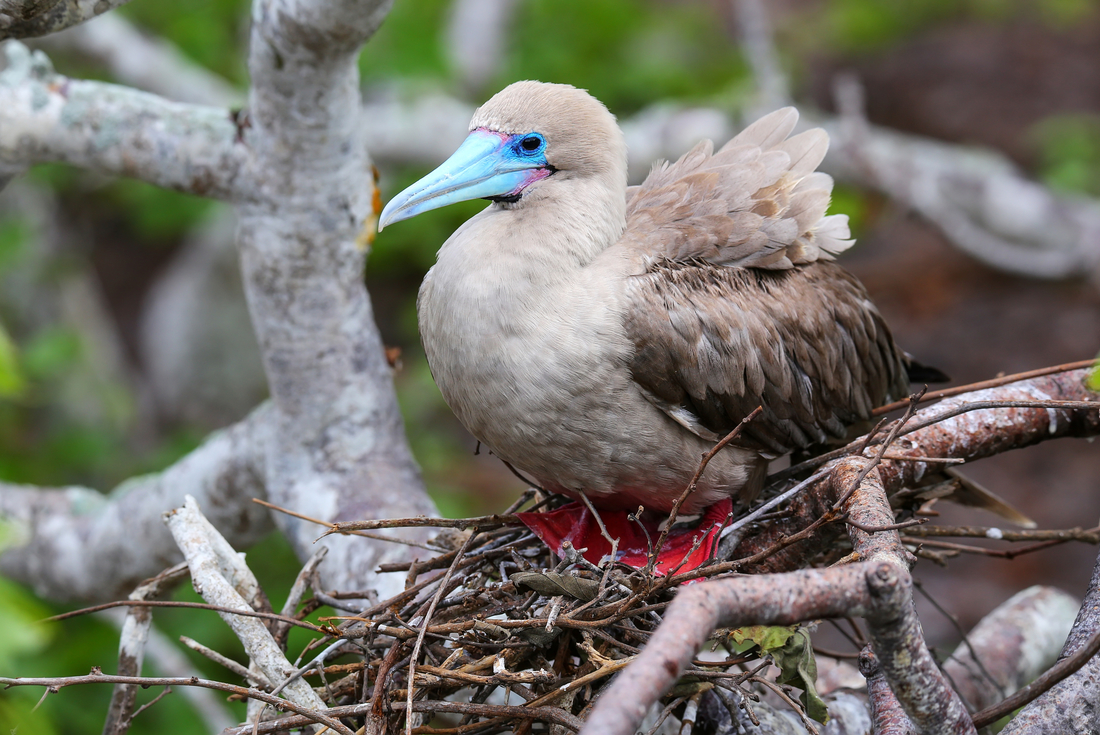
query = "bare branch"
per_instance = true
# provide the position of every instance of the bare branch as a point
(758, 44)
(78, 544)
(1014, 644)
(477, 34)
(103, 127)
(338, 448)
(1070, 706)
(978, 198)
(131, 648)
(144, 62)
(26, 18)
(886, 712)
(98, 677)
(220, 575)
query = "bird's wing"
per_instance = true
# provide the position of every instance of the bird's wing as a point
(735, 309)
(714, 342)
(758, 202)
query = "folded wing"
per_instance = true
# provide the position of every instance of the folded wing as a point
(738, 306)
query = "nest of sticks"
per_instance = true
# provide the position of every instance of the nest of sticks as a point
(495, 633)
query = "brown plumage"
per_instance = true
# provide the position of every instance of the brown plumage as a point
(601, 339)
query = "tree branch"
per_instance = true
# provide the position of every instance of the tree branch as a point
(333, 442)
(26, 18)
(1011, 646)
(1071, 705)
(47, 117)
(131, 648)
(220, 575)
(971, 435)
(144, 62)
(338, 448)
(79, 544)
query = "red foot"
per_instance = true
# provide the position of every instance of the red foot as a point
(574, 523)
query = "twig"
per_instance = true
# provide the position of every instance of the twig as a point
(479, 523)
(424, 628)
(672, 514)
(150, 703)
(195, 605)
(256, 677)
(926, 460)
(981, 550)
(614, 542)
(1091, 535)
(962, 633)
(1055, 674)
(98, 677)
(982, 385)
(807, 723)
(333, 527)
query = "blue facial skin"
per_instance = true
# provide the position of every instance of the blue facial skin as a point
(488, 165)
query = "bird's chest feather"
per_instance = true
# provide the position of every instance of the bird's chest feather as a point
(520, 357)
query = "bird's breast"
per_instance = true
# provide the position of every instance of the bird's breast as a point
(527, 366)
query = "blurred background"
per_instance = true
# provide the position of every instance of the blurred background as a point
(124, 338)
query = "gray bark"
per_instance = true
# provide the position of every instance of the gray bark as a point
(331, 443)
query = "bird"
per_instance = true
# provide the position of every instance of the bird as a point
(600, 337)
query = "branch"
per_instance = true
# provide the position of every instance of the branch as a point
(758, 43)
(131, 648)
(47, 117)
(1011, 646)
(477, 36)
(1070, 706)
(98, 677)
(220, 575)
(338, 448)
(970, 434)
(80, 544)
(978, 198)
(148, 63)
(26, 18)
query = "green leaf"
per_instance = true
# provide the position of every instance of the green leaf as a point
(12, 382)
(767, 637)
(1093, 381)
(792, 652)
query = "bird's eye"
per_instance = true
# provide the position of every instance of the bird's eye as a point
(531, 143)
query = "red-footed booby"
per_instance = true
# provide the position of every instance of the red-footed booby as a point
(602, 338)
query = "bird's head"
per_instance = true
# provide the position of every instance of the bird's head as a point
(528, 139)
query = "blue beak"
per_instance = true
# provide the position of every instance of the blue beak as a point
(485, 165)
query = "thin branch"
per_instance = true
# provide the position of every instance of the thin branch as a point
(195, 605)
(220, 575)
(27, 18)
(424, 628)
(672, 514)
(102, 545)
(98, 677)
(49, 118)
(256, 677)
(145, 62)
(1061, 670)
(985, 384)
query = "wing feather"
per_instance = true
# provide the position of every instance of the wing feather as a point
(758, 202)
(714, 342)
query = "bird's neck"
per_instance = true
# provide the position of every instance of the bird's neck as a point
(560, 230)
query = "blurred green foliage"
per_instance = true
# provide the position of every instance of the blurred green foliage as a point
(628, 53)
(861, 26)
(1069, 152)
